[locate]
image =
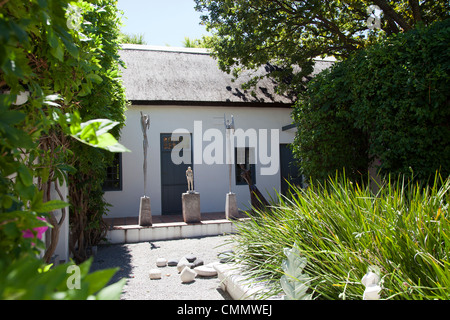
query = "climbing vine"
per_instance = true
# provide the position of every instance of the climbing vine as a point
(51, 55)
(106, 99)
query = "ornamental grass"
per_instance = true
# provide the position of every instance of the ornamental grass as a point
(344, 229)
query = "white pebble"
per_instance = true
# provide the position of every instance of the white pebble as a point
(205, 271)
(155, 274)
(182, 263)
(187, 275)
(161, 262)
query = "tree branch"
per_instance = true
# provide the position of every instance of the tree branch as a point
(391, 26)
(63, 210)
(332, 27)
(389, 11)
(417, 14)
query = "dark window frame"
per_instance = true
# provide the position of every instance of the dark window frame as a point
(248, 166)
(114, 180)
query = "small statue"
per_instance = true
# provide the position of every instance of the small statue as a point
(190, 179)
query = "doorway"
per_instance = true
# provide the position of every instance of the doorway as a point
(173, 176)
(288, 169)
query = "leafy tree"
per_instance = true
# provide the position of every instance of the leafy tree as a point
(204, 42)
(287, 33)
(390, 100)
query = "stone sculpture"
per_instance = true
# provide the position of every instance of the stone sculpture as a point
(229, 128)
(190, 179)
(258, 201)
(231, 209)
(145, 211)
(145, 125)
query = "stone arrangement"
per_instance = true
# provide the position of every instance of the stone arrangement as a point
(189, 266)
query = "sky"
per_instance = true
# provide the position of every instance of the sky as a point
(162, 22)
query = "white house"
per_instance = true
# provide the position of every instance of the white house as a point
(183, 90)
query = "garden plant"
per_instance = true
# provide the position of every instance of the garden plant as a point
(342, 229)
(53, 88)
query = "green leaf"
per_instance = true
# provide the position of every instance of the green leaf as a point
(112, 292)
(94, 78)
(10, 230)
(101, 125)
(25, 175)
(51, 205)
(68, 42)
(58, 53)
(117, 148)
(95, 133)
(88, 133)
(12, 117)
(98, 279)
(52, 39)
(26, 192)
(106, 140)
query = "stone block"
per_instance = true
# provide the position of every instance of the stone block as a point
(231, 209)
(155, 274)
(145, 212)
(191, 207)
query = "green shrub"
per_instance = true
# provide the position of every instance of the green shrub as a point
(389, 101)
(343, 229)
(28, 278)
(48, 64)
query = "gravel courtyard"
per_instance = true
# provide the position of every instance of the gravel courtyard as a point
(136, 259)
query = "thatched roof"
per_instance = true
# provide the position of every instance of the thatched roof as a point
(166, 75)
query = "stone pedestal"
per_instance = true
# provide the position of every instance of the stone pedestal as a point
(191, 207)
(145, 212)
(231, 209)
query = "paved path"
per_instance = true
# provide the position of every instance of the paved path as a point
(135, 261)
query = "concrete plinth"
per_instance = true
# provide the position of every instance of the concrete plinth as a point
(191, 207)
(231, 209)
(145, 212)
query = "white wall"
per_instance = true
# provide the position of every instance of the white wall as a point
(62, 249)
(210, 180)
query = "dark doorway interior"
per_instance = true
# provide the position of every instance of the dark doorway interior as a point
(289, 169)
(173, 176)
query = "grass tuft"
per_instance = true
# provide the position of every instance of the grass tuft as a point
(342, 229)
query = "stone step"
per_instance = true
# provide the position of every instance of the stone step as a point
(168, 231)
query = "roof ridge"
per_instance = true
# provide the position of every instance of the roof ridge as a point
(205, 51)
(164, 49)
